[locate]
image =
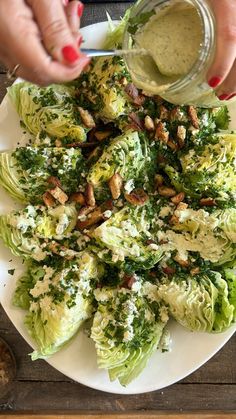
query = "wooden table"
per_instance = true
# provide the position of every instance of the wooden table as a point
(40, 388)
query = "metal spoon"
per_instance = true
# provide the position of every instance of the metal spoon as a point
(90, 52)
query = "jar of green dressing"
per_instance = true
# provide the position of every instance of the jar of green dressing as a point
(179, 37)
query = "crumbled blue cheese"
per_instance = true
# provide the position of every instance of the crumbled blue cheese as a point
(42, 287)
(130, 309)
(129, 185)
(163, 312)
(137, 285)
(25, 220)
(150, 291)
(34, 306)
(129, 229)
(153, 246)
(46, 303)
(107, 213)
(165, 211)
(62, 224)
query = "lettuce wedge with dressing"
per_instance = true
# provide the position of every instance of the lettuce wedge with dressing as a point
(211, 235)
(201, 303)
(59, 300)
(28, 232)
(127, 329)
(208, 170)
(126, 237)
(49, 109)
(126, 154)
(24, 172)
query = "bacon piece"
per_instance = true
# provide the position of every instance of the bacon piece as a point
(129, 281)
(78, 198)
(164, 113)
(102, 135)
(95, 216)
(208, 202)
(48, 199)
(136, 122)
(168, 270)
(137, 197)
(59, 195)
(195, 271)
(115, 184)
(161, 133)
(192, 113)
(178, 198)
(89, 195)
(131, 90)
(166, 191)
(87, 118)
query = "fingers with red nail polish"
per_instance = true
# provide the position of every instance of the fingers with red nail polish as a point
(222, 73)
(224, 96)
(80, 9)
(70, 54)
(214, 81)
(73, 18)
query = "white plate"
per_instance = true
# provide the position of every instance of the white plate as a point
(78, 360)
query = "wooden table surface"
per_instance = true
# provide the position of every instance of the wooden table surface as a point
(40, 388)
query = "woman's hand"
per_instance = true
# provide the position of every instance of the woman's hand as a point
(222, 73)
(42, 36)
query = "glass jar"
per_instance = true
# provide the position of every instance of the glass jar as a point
(192, 88)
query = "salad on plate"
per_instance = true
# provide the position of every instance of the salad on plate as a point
(126, 216)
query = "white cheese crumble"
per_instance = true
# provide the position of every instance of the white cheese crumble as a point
(150, 290)
(165, 211)
(107, 213)
(129, 185)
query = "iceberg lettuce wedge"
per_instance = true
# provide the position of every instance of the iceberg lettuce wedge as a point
(127, 328)
(200, 303)
(24, 173)
(208, 170)
(126, 236)
(29, 232)
(59, 301)
(211, 235)
(49, 109)
(126, 155)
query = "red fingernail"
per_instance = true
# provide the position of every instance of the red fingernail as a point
(224, 97)
(70, 54)
(233, 95)
(80, 40)
(80, 9)
(214, 81)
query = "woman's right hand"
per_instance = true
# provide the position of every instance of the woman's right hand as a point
(43, 38)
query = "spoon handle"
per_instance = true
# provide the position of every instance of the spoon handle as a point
(111, 52)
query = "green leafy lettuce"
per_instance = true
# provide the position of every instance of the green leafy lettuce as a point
(127, 328)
